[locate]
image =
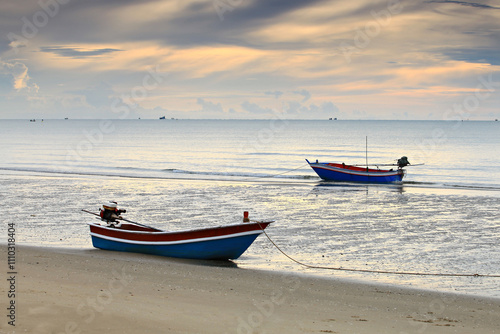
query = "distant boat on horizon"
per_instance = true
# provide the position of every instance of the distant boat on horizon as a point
(162, 117)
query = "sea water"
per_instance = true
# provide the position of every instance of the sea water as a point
(181, 174)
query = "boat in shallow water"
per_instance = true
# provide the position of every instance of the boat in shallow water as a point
(355, 173)
(211, 243)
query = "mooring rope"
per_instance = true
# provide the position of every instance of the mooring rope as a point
(372, 271)
(273, 175)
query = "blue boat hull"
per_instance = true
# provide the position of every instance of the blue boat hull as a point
(345, 177)
(220, 249)
(350, 173)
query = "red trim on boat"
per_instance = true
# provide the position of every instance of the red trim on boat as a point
(133, 232)
(360, 169)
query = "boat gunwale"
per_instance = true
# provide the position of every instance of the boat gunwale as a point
(357, 168)
(176, 242)
(163, 232)
(374, 173)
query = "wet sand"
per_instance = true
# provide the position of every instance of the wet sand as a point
(93, 291)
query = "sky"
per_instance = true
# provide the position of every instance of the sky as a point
(250, 59)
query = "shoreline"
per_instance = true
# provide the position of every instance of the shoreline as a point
(240, 264)
(66, 290)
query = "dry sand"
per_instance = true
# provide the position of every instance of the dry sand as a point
(95, 291)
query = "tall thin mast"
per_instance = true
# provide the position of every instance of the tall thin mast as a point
(366, 151)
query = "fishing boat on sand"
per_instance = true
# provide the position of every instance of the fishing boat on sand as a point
(210, 243)
(360, 173)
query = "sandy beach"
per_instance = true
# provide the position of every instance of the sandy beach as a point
(61, 290)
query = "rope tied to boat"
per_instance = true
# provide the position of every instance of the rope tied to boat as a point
(274, 175)
(374, 271)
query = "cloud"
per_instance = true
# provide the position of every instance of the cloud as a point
(303, 93)
(312, 111)
(359, 113)
(329, 108)
(99, 96)
(254, 108)
(21, 81)
(477, 55)
(262, 52)
(209, 107)
(77, 52)
(173, 23)
(465, 3)
(277, 94)
(200, 22)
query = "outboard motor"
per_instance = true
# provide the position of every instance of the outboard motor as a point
(111, 212)
(403, 161)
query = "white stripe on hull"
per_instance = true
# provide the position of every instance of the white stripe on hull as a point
(176, 242)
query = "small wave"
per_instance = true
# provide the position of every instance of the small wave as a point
(133, 172)
(268, 153)
(156, 174)
(473, 187)
(452, 186)
(56, 171)
(244, 175)
(418, 183)
(303, 177)
(183, 171)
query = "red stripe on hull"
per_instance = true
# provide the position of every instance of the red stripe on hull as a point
(360, 169)
(125, 232)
